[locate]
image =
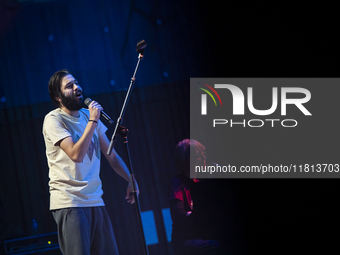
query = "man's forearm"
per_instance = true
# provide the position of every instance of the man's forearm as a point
(119, 166)
(115, 161)
(76, 151)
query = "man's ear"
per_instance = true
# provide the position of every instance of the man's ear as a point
(58, 98)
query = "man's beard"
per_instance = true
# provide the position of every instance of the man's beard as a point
(72, 103)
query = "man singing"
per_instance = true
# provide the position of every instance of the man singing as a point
(74, 138)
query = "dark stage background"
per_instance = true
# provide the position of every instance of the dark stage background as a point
(96, 41)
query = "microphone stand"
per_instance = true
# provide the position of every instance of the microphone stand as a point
(124, 132)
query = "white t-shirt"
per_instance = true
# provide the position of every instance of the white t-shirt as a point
(72, 184)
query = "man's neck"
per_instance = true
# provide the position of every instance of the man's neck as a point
(72, 113)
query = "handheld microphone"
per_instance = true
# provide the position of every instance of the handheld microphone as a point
(102, 114)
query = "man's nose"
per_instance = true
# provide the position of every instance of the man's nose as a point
(76, 86)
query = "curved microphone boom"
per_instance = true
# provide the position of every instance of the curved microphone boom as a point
(102, 114)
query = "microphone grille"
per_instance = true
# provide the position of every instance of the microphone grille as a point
(88, 101)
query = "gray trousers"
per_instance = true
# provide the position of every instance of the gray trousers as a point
(85, 231)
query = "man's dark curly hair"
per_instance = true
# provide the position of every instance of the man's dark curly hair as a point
(54, 85)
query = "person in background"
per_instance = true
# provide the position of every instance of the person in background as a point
(186, 238)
